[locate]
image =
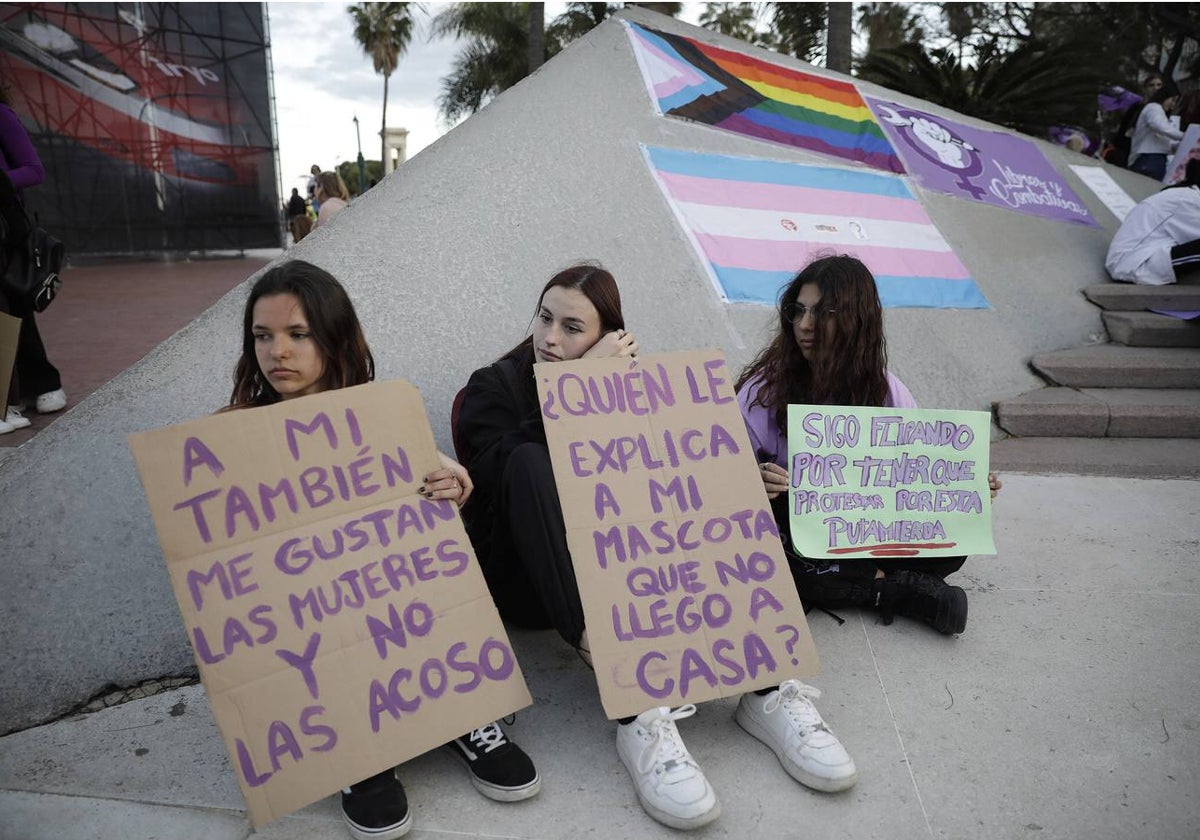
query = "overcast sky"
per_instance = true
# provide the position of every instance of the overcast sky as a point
(323, 80)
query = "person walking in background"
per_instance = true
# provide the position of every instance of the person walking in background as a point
(298, 222)
(36, 381)
(329, 195)
(314, 172)
(1123, 138)
(1154, 137)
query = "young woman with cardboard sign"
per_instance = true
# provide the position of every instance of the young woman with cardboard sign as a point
(302, 336)
(515, 522)
(830, 350)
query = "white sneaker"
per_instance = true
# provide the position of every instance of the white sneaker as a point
(51, 402)
(669, 783)
(16, 419)
(787, 722)
(5, 428)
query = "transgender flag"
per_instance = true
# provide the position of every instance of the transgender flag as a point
(732, 91)
(755, 223)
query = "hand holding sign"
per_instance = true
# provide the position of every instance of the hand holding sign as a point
(887, 482)
(686, 592)
(339, 620)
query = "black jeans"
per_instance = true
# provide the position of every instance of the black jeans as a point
(1185, 258)
(528, 567)
(1151, 165)
(33, 369)
(832, 584)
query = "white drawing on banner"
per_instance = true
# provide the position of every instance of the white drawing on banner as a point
(938, 145)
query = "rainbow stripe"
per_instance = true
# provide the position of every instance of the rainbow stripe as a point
(756, 222)
(738, 93)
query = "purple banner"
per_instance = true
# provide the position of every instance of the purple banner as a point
(988, 166)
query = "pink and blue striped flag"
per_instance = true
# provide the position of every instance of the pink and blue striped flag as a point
(755, 223)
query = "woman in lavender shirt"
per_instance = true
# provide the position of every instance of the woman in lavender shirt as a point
(830, 350)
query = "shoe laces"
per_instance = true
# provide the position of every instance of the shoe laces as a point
(666, 745)
(921, 583)
(794, 699)
(487, 738)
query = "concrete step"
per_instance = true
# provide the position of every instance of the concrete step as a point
(1117, 366)
(1127, 457)
(1149, 329)
(1150, 412)
(1102, 412)
(1132, 297)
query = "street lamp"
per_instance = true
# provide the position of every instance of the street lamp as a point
(362, 166)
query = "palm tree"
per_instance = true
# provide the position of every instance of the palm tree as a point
(1029, 89)
(962, 21)
(579, 19)
(888, 25)
(733, 19)
(384, 31)
(497, 51)
(537, 35)
(495, 57)
(838, 37)
(800, 29)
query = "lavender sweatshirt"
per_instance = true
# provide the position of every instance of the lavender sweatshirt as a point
(770, 441)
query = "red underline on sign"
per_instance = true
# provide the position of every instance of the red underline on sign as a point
(892, 549)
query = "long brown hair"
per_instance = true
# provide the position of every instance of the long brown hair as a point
(850, 367)
(331, 319)
(332, 184)
(597, 285)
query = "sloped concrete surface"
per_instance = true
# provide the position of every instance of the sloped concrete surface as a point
(1149, 329)
(444, 259)
(1066, 710)
(1115, 366)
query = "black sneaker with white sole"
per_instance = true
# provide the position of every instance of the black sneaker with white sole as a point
(376, 808)
(500, 769)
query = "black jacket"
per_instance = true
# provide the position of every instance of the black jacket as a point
(499, 413)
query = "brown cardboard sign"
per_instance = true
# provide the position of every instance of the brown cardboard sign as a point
(340, 621)
(10, 331)
(686, 590)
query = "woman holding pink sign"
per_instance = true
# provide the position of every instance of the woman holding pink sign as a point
(302, 336)
(515, 521)
(831, 350)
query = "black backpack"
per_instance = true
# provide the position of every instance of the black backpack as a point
(30, 256)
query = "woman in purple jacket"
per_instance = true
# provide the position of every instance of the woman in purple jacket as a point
(830, 350)
(34, 378)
